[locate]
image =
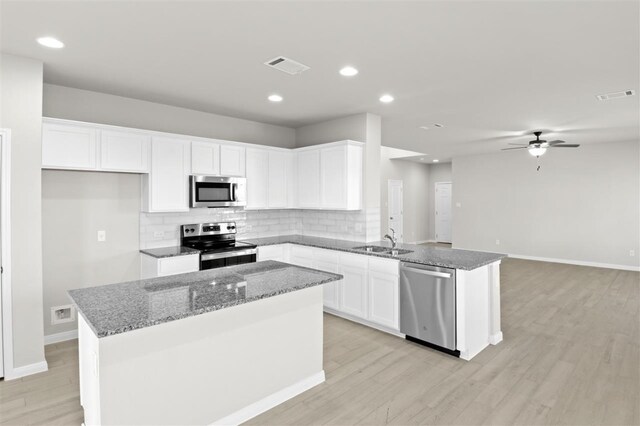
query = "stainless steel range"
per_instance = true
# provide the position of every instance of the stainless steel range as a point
(217, 244)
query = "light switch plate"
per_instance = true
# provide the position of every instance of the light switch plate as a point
(102, 236)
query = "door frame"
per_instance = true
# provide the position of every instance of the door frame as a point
(5, 252)
(435, 209)
(389, 183)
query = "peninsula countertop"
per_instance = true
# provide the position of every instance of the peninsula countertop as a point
(425, 255)
(118, 308)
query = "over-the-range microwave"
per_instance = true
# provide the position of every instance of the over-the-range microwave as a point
(218, 191)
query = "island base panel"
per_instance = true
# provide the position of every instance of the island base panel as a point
(227, 365)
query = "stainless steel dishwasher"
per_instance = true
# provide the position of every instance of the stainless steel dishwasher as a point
(428, 306)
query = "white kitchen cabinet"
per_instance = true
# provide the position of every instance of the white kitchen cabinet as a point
(278, 179)
(341, 177)
(151, 267)
(353, 295)
(257, 169)
(302, 256)
(69, 146)
(277, 252)
(309, 179)
(166, 188)
(383, 288)
(327, 260)
(124, 151)
(205, 158)
(232, 160)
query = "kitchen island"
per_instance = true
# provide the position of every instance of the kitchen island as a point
(214, 346)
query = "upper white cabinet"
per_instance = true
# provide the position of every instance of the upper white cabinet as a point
(232, 160)
(278, 179)
(124, 152)
(69, 146)
(309, 179)
(165, 189)
(205, 158)
(257, 178)
(330, 176)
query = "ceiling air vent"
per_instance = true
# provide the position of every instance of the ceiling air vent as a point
(616, 95)
(286, 65)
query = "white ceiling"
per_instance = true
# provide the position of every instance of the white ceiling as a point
(488, 71)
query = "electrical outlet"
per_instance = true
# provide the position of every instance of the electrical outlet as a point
(62, 314)
(632, 253)
(497, 242)
(158, 234)
(102, 236)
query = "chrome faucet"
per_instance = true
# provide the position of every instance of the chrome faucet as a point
(393, 239)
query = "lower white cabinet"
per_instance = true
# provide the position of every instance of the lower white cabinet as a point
(151, 267)
(369, 291)
(277, 252)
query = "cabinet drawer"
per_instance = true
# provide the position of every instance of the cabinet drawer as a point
(178, 265)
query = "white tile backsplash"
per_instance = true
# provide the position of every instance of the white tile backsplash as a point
(358, 225)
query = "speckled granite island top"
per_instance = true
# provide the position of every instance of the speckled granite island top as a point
(425, 255)
(173, 251)
(118, 308)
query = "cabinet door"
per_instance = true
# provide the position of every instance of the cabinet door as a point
(302, 256)
(354, 286)
(327, 260)
(257, 178)
(383, 299)
(275, 252)
(232, 160)
(69, 147)
(333, 177)
(205, 158)
(168, 179)
(292, 180)
(124, 152)
(278, 162)
(309, 179)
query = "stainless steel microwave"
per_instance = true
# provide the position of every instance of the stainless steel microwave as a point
(218, 191)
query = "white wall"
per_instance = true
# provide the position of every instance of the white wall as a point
(416, 205)
(353, 127)
(84, 105)
(21, 111)
(583, 205)
(75, 205)
(440, 172)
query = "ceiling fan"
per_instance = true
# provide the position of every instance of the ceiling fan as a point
(539, 146)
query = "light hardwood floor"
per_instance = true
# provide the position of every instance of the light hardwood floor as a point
(570, 356)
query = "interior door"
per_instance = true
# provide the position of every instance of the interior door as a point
(395, 208)
(443, 212)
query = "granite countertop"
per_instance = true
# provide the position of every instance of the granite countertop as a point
(118, 308)
(170, 251)
(425, 255)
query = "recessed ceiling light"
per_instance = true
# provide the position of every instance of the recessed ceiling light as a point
(435, 160)
(348, 71)
(51, 42)
(275, 98)
(386, 98)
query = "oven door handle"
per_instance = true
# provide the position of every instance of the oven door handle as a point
(227, 254)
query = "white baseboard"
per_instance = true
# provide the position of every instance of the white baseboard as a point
(272, 400)
(577, 262)
(25, 370)
(494, 339)
(60, 337)
(363, 322)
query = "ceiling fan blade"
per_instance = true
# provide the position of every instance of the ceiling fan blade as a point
(570, 145)
(517, 147)
(555, 142)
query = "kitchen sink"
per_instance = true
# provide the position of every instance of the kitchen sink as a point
(385, 250)
(372, 249)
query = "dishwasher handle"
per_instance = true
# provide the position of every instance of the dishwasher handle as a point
(427, 272)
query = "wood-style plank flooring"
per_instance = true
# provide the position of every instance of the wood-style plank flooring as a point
(571, 355)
